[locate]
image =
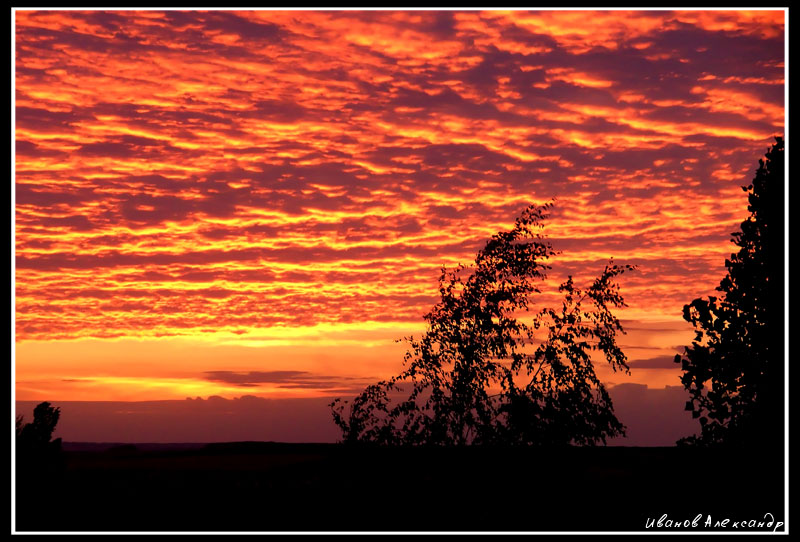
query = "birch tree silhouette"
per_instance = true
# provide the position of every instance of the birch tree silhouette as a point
(491, 368)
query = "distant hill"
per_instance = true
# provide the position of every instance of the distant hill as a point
(654, 417)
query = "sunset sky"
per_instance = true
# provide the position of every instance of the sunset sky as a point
(259, 203)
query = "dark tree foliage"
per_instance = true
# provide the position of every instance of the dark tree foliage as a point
(39, 459)
(733, 368)
(36, 436)
(491, 369)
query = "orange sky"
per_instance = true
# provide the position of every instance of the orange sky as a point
(228, 203)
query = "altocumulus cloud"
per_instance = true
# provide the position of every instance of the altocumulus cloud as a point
(298, 160)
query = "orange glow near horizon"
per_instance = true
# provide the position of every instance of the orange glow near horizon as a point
(259, 202)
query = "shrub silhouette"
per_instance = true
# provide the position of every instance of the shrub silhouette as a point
(733, 368)
(482, 374)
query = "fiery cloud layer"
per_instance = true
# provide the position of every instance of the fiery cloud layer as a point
(224, 173)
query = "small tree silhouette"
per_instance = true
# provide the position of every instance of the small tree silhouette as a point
(40, 468)
(39, 458)
(732, 372)
(37, 435)
(482, 374)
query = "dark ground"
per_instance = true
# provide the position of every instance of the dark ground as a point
(311, 487)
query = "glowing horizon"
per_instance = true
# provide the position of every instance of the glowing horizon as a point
(259, 202)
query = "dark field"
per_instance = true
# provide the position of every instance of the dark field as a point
(312, 487)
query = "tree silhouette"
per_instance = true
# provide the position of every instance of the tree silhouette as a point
(39, 459)
(490, 369)
(37, 435)
(733, 368)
